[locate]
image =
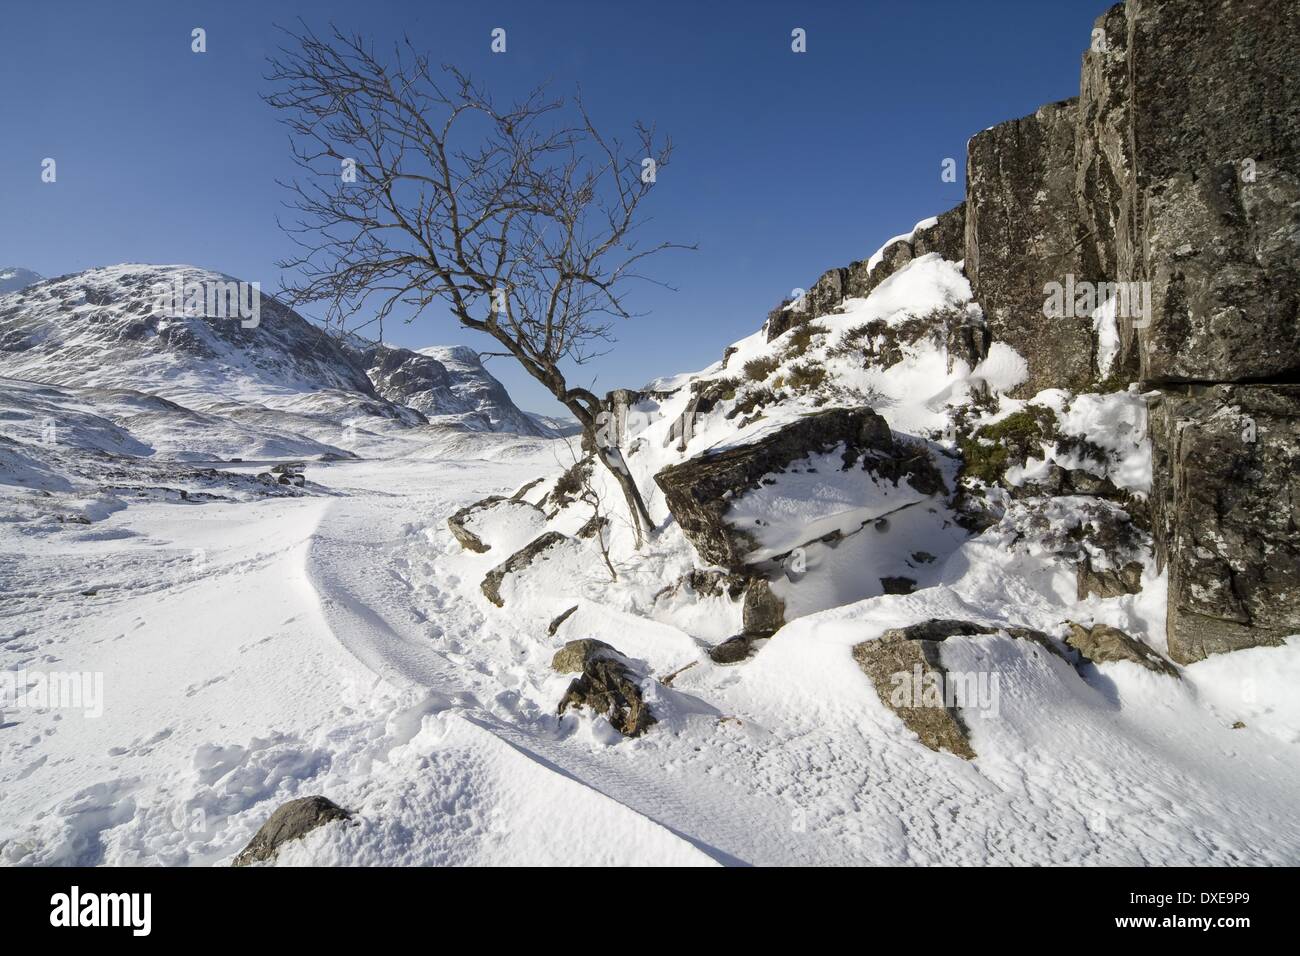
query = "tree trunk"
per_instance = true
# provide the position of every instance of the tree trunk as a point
(612, 456)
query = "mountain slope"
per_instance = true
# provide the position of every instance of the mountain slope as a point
(103, 329)
(448, 384)
(13, 278)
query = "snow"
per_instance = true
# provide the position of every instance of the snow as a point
(339, 645)
(259, 643)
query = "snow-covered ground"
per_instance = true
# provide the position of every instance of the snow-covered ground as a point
(338, 643)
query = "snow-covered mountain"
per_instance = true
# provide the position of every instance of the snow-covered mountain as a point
(104, 329)
(446, 383)
(13, 278)
(237, 374)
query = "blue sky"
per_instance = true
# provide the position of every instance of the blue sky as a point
(785, 164)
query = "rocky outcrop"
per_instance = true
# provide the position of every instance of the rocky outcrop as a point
(445, 383)
(1022, 234)
(1227, 501)
(521, 559)
(574, 656)
(734, 649)
(1214, 112)
(894, 661)
(1176, 175)
(290, 821)
(464, 523)
(609, 687)
(1102, 644)
(700, 491)
(762, 613)
(1091, 581)
(946, 236)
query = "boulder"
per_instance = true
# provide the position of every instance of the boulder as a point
(467, 525)
(701, 491)
(609, 687)
(533, 551)
(559, 619)
(1107, 582)
(574, 656)
(1102, 643)
(763, 613)
(290, 821)
(1226, 496)
(906, 651)
(733, 650)
(1021, 234)
(882, 660)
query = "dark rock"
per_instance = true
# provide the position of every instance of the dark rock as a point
(1187, 176)
(1223, 258)
(291, 821)
(1226, 500)
(706, 398)
(938, 726)
(763, 613)
(699, 491)
(968, 339)
(1021, 234)
(1102, 643)
(491, 586)
(519, 495)
(898, 585)
(608, 687)
(857, 280)
(1109, 583)
(706, 583)
(559, 619)
(458, 522)
(593, 526)
(575, 655)
(947, 236)
(733, 650)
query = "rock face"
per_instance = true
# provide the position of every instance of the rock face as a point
(1102, 643)
(1212, 85)
(445, 383)
(1176, 174)
(608, 686)
(491, 586)
(1021, 234)
(1227, 500)
(291, 821)
(700, 491)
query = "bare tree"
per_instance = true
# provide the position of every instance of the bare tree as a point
(417, 190)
